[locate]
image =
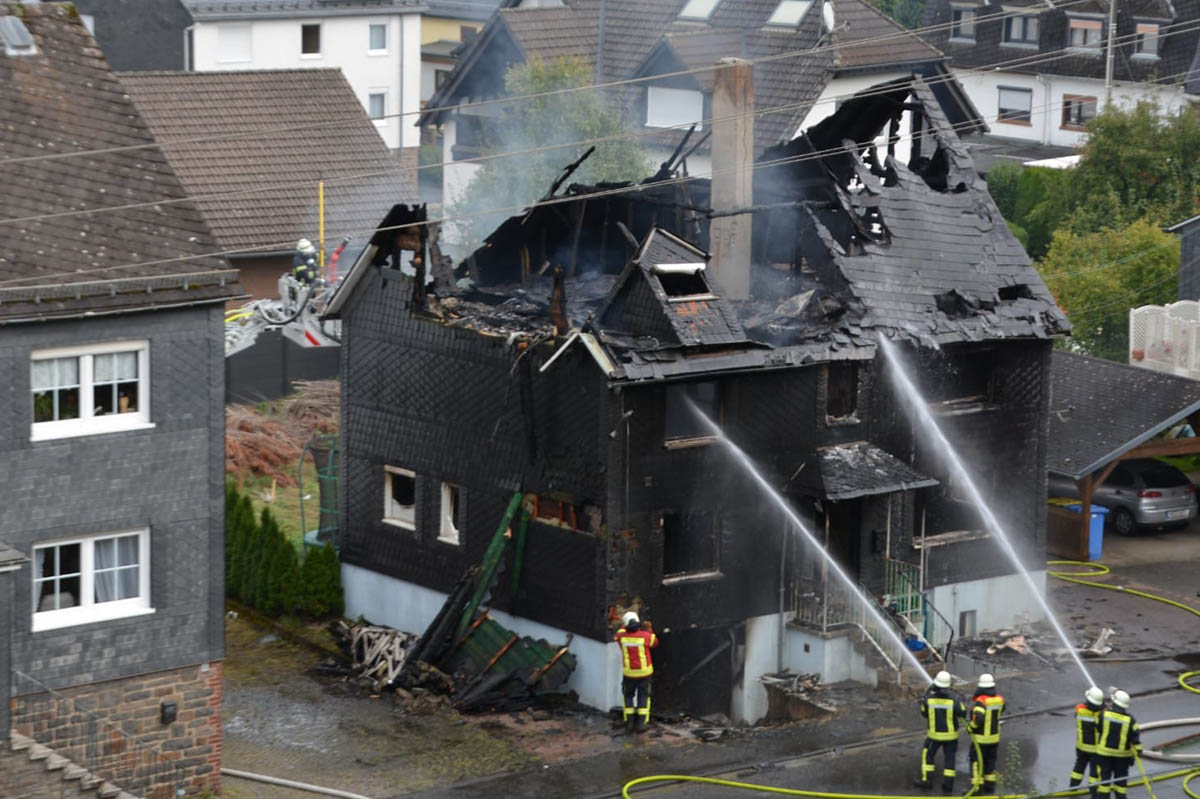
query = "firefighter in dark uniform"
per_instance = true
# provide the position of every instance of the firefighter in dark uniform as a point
(636, 638)
(944, 712)
(304, 262)
(984, 729)
(1087, 762)
(1118, 742)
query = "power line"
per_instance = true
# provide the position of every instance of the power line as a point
(900, 34)
(1029, 60)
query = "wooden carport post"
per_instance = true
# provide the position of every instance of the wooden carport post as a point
(1087, 486)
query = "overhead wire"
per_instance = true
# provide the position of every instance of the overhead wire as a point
(1021, 61)
(899, 34)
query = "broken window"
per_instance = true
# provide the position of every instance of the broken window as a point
(310, 39)
(1147, 40)
(400, 497)
(963, 380)
(1078, 111)
(682, 281)
(1015, 105)
(450, 519)
(1021, 29)
(566, 515)
(841, 391)
(1085, 33)
(690, 545)
(943, 509)
(963, 24)
(691, 409)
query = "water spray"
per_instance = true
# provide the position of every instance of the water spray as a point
(909, 390)
(799, 524)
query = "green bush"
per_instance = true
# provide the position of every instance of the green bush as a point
(321, 583)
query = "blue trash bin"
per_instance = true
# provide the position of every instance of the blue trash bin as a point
(1095, 528)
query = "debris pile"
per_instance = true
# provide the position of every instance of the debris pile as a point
(267, 440)
(795, 696)
(378, 653)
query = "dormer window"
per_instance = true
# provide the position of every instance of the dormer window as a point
(789, 12)
(683, 281)
(1021, 29)
(698, 10)
(963, 23)
(1085, 34)
(1146, 43)
(16, 37)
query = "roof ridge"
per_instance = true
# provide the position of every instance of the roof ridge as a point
(162, 73)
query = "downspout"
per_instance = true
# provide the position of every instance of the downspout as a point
(400, 118)
(1047, 120)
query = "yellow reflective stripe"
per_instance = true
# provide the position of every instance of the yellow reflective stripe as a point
(645, 670)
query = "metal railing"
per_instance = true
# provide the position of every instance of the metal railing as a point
(73, 730)
(834, 606)
(906, 598)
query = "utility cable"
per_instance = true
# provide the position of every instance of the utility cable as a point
(1021, 61)
(899, 34)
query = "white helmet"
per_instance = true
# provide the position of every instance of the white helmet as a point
(1120, 699)
(1094, 695)
(305, 246)
(987, 681)
(629, 618)
(942, 680)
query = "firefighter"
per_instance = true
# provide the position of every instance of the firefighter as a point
(1087, 762)
(1117, 744)
(984, 729)
(304, 262)
(636, 638)
(943, 711)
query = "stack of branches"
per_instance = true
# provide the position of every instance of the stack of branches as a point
(267, 441)
(312, 408)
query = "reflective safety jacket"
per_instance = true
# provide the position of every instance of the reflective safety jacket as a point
(635, 651)
(943, 711)
(1119, 735)
(1086, 716)
(985, 718)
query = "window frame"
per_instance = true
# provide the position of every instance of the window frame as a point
(694, 113)
(87, 423)
(371, 26)
(686, 441)
(388, 501)
(1082, 100)
(382, 119)
(714, 532)
(1025, 41)
(786, 8)
(1140, 39)
(320, 40)
(450, 518)
(90, 611)
(696, 16)
(240, 26)
(854, 368)
(1027, 119)
(958, 18)
(1085, 24)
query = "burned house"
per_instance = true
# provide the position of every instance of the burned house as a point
(564, 358)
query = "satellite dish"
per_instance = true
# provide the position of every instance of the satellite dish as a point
(828, 16)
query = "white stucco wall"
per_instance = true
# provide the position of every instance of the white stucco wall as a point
(275, 44)
(1047, 102)
(411, 607)
(842, 88)
(998, 602)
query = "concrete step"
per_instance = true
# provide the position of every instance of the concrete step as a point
(89, 781)
(19, 743)
(39, 752)
(56, 762)
(74, 772)
(109, 791)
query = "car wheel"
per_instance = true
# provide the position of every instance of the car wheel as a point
(1122, 522)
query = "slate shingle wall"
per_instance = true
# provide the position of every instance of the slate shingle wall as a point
(169, 478)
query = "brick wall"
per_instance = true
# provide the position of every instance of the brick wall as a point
(114, 729)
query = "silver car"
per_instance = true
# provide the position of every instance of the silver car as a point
(1139, 492)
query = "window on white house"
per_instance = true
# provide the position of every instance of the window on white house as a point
(448, 528)
(963, 24)
(377, 106)
(789, 12)
(1015, 105)
(233, 43)
(400, 497)
(698, 9)
(1085, 34)
(1147, 39)
(1021, 29)
(1078, 111)
(666, 107)
(377, 38)
(90, 579)
(440, 78)
(83, 391)
(310, 39)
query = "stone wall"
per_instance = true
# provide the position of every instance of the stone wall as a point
(114, 728)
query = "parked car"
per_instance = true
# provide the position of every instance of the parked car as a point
(1140, 492)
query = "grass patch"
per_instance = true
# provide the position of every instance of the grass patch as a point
(286, 507)
(249, 659)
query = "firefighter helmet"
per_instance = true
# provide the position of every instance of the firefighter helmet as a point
(942, 680)
(629, 618)
(1120, 699)
(305, 246)
(1094, 695)
(987, 681)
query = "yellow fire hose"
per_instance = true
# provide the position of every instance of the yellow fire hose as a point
(1098, 569)
(1149, 788)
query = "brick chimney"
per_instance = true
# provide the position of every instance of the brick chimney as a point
(732, 175)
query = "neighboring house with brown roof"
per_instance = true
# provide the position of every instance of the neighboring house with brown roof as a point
(113, 436)
(1037, 70)
(251, 147)
(445, 25)
(801, 69)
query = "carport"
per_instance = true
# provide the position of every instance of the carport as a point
(1102, 413)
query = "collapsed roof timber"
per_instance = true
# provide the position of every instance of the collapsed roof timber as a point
(846, 242)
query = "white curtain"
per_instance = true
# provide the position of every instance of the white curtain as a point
(104, 561)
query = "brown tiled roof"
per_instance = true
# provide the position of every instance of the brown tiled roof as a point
(64, 99)
(885, 41)
(272, 179)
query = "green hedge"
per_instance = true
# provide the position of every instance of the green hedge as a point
(263, 570)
